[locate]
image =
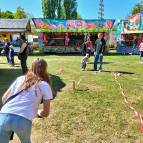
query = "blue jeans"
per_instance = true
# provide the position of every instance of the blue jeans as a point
(18, 124)
(7, 57)
(98, 57)
(141, 54)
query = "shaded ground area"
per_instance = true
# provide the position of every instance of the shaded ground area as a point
(93, 113)
(8, 75)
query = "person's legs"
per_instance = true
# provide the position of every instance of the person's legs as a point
(82, 62)
(5, 132)
(141, 54)
(22, 127)
(100, 62)
(96, 61)
(24, 64)
(12, 61)
(83, 65)
(7, 57)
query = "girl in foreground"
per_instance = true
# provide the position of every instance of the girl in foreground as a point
(17, 113)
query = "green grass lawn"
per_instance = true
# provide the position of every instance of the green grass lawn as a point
(93, 113)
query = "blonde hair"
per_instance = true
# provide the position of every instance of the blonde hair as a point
(87, 54)
(37, 73)
(100, 34)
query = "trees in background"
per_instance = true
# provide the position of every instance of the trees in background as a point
(138, 8)
(19, 14)
(60, 9)
(49, 8)
(6, 14)
(70, 7)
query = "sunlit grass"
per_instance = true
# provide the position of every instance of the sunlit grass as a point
(95, 112)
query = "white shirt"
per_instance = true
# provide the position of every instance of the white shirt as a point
(26, 103)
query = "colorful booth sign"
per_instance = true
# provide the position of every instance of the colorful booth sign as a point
(57, 25)
(134, 22)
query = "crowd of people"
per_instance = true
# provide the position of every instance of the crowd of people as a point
(99, 50)
(8, 51)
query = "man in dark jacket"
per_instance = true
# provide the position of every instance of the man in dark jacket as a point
(99, 50)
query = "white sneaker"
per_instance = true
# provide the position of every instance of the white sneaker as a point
(95, 72)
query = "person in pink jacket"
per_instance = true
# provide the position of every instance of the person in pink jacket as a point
(141, 49)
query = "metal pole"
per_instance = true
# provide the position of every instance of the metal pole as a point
(101, 10)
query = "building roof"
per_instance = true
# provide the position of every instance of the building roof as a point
(12, 30)
(9, 25)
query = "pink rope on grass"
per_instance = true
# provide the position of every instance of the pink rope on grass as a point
(128, 103)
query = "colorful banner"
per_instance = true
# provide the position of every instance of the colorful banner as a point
(134, 22)
(54, 25)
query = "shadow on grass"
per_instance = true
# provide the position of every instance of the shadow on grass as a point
(3, 63)
(117, 54)
(57, 84)
(15, 65)
(103, 63)
(56, 54)
(7, 76)
(122, 72)
(75, 54)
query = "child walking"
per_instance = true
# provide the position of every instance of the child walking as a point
(84, 61)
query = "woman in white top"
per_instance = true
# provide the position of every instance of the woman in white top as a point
(16, 115)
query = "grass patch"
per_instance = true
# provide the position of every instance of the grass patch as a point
(95, 112)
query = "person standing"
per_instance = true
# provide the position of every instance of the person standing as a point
(141, 49)
(6, 51)
(66, 40)
(103, 47)
(11, 55)
(23, 54)
(99, 50)
(18, 112)
(84, 46)
(89, 46)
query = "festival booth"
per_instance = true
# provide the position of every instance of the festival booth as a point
(59, 36)
(11, 29)
(129, 35)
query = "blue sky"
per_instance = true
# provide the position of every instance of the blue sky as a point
(88, 9)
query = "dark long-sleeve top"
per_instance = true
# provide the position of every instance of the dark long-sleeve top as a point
(98, 45)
